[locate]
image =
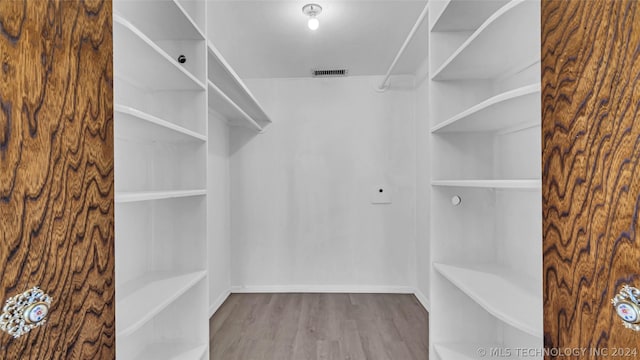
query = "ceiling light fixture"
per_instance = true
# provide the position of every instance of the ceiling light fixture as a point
(312, 10)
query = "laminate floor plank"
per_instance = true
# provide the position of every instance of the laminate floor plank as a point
(221, 315)
(371, 339)
(320, 326)
(329, 350)
(350, 341)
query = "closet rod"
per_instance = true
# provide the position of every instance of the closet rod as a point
(383, 86)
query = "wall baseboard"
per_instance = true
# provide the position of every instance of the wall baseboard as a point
(424, 301)
(218, 302)
(323, 289)
(374, 289)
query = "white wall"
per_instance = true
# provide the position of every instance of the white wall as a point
(301, 216)
(218, 212)
(423, 185)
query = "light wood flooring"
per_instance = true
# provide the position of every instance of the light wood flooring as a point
(320, 326)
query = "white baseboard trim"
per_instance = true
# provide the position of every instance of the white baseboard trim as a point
(422, 299)
(323, 289)
(374, 289)
(218, 302)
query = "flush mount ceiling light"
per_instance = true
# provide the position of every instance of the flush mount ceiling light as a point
(312, 10)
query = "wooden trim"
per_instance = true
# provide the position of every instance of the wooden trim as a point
(56, 173)
(590, 170)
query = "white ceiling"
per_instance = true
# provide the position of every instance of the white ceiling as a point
(270, 38)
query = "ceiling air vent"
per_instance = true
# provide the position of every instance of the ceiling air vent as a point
(330, 73)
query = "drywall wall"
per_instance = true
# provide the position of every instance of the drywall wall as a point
(423, 185)
(301, 211)
(218, 211)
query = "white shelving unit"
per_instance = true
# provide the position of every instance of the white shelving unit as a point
(175, 332)
(491, 51)
(147, 296)
(125, 197)
(154, 19)
(135, 66)
(227, 108)
(160, 121)
(509, 109)
(230, 97)
(491, 287)
(161, 115)
(484, 96)
(140, 125)
(491, 184)
(464, 15)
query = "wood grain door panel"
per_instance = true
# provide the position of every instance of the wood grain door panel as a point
(591, 170)
(56, 173)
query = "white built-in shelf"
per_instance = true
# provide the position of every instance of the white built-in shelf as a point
(160, 120)
(143, 63)
(510, 109)
(228, 82)
(462, 351)
(504, 43)
(172, 351)
(465, 15)
(134, 196)
(160, 20)
(524, 184)
(142, 299)
(223, 105)
(132, 123)
(502, 296)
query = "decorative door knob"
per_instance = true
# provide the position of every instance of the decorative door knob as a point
(24, 312)
(627, 305)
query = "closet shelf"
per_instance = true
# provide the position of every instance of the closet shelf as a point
(228, 82)
(172, 352)
(133, 196)
(143, 63)
(510, 109)
(502, 296)
(152, 18)
(464, 15)
(145, 297)
(132, 123)
(462, 351)
(524, 184)
(223, 105)
(502, 44)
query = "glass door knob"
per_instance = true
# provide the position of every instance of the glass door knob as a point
(627, 306)
(36, 312)
(24, 312)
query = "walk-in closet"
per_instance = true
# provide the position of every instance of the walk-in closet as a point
(333, 179)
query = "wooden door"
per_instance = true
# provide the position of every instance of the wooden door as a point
(56, 174)
(591, 173)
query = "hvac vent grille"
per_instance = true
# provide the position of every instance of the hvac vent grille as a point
(330, 73)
